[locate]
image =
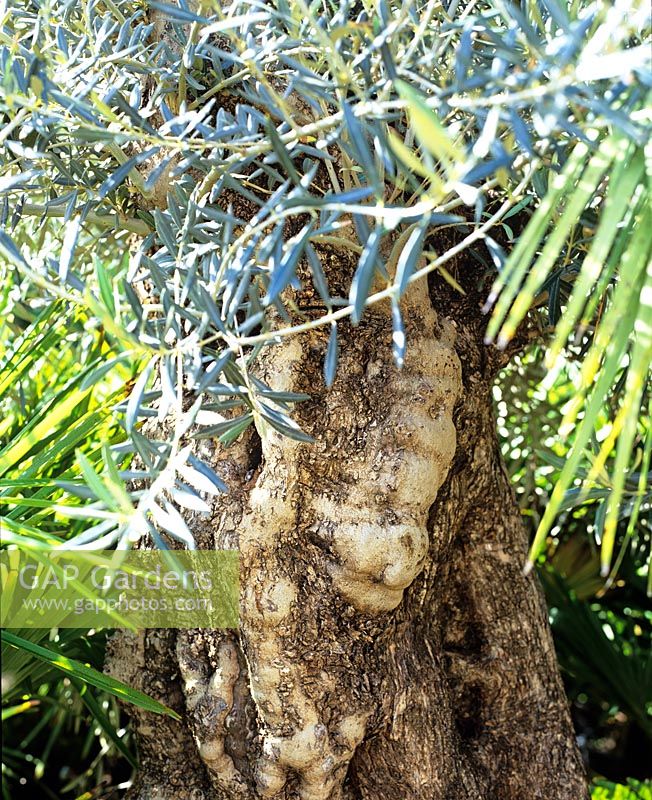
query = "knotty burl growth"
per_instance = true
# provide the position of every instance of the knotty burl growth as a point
(390, 646)
(360, 494)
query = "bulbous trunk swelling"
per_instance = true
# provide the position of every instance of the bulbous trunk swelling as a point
(390, 646)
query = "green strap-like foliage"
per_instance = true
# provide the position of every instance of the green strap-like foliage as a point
(146, 126)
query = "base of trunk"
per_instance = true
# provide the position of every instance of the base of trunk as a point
(390, 647)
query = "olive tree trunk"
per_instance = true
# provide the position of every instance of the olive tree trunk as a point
(390, 647)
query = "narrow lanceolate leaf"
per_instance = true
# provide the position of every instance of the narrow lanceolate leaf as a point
(93, 376)
(185, 497)
(432, 134)
(398, 335)
(409, 257)
(233, 22)
(94, 481)
(408, 156)
(165, 230)
(68, 248)
(286, 269)
(281, 397)
(171, 521)
(240, 424)
(135, 399)
(202, 477)
(10, 251)
(115, 482)
(220, 428)
(317, 273)
(364, 275)
(157, 172)
(177, 13)
(330, 362)
(118, 176)
(281, 152)
(20, 179)
(284, 424)
(88, 675)
(214, 371)
(360, 145)
(106, 288)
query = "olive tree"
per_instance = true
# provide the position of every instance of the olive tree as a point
(320, 204)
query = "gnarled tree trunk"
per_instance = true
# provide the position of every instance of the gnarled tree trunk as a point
(390, 647)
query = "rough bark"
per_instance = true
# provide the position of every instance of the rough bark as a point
(390, 646)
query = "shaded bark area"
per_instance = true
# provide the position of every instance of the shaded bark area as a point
(170, 763)
(368, 665)
(473, 697)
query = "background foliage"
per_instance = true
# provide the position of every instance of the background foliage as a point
(601, 629)
(223, 150)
